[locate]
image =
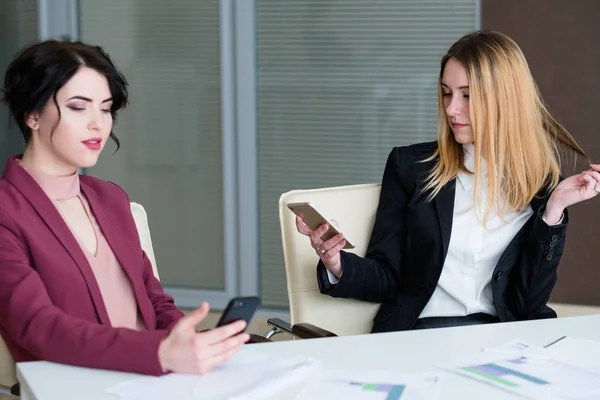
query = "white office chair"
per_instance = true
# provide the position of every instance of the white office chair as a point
(317, 315)
(314, 314)
(8, 387)
(141, 223)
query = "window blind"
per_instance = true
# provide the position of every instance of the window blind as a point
(339, 84)
(170, 156)
(18, 28)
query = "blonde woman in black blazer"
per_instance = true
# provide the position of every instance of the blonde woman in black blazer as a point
(469, 228)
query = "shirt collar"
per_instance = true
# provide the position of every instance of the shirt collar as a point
(56, 187)
(467, 179)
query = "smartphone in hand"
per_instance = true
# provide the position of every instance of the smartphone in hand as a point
(313, 219)
(239, 308)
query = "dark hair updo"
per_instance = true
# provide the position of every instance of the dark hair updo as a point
(40, 70)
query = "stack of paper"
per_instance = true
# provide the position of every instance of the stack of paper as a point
(246, 376)
(372, 385)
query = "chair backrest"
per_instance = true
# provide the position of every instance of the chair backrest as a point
(354, 207)
(141, 223)
(7, 363)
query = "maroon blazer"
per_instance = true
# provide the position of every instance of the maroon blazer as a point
(50, 304)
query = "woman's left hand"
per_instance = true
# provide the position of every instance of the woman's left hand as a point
(572, 190)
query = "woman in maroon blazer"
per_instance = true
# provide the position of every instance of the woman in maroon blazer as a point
(75, 284)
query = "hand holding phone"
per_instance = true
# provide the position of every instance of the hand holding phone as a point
(187, 351)
(324, 236)
(314, 219)
(239, 308)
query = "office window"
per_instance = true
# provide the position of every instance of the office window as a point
(18, 27)
(339, 84)
(170, 156)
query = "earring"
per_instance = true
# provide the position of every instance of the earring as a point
(35, 125)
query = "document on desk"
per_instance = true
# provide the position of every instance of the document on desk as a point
(529, 371)
(249, 375)
(371, 385)
(584, 353)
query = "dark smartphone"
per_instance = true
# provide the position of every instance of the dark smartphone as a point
(239, 308)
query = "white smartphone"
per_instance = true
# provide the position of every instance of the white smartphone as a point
(313, 219)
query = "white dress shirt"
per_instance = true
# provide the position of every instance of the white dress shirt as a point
(465, 286)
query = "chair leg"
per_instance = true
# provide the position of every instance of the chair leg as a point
(15, 389)
(272, 332)
(10, 392)
(257, 339)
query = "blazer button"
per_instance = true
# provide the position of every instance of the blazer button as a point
(554, 238)
(549, 258)
(552, 244)
(498, 275)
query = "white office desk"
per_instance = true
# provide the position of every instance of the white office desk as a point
(412, 351)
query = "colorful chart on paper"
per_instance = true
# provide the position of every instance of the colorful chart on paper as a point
(391, 392)
(372, 387)
(532, 377)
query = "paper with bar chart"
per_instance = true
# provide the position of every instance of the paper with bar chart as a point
(535, 378)
(372, 385)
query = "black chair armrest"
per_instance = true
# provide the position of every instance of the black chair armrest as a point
(280, 325)
(253, 338)
(304, 330)
(258, 339)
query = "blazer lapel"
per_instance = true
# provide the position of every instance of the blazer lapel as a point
(122, 251)
(34, 194)
(444, 203)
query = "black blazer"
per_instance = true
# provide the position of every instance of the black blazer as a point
(409, 244)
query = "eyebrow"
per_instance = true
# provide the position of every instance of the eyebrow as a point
(88, 99)
(460, 87)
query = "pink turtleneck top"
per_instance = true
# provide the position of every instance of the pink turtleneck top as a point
(117, 293)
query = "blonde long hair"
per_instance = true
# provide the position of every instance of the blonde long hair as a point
(513, 130)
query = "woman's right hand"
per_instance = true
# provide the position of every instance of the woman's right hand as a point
(190, 352)
(328, 250)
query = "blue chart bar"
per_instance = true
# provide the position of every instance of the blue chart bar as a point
(508, 371)
(394, 392)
